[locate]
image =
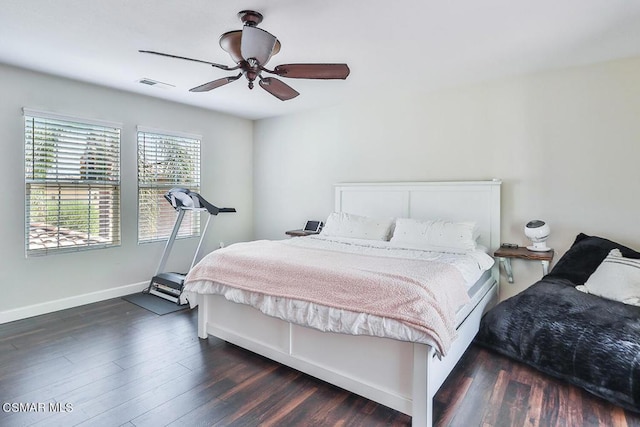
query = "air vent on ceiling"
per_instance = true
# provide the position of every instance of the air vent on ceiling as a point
(151, 82)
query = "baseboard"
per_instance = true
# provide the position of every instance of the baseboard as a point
(70, 302)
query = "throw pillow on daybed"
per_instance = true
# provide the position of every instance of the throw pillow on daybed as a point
(584, 256)
(616, 278)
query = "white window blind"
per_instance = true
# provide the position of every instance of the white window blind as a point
(165, 161)
(72, 181)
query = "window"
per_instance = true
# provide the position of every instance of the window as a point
(72, 181)
(165, 161)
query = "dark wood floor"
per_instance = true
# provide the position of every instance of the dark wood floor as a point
(115, 364)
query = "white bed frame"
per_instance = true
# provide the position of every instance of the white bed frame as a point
(401, 375)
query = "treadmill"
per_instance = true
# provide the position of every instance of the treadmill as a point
(168, 285)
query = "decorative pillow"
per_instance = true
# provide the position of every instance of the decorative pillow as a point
(616, 278)
(436, 235)
(584, 256)
(342, 224)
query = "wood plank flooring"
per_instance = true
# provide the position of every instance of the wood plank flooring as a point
(113, 363)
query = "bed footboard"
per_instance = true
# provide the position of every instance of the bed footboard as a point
(401, 375)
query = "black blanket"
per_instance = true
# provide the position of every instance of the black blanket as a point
(586, 340)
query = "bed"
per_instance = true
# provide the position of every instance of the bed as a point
(402, 372)
(573, 325)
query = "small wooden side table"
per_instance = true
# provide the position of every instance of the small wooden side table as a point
(299, 233)
(504, 255)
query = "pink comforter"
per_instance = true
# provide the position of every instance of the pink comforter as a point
(422, 294)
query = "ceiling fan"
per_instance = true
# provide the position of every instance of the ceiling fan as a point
(251, 48)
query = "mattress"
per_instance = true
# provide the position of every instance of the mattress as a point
(474, 268)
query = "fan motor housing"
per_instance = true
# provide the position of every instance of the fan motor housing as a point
(250, 17)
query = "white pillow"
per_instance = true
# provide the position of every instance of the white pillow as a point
(435, 235)
(616, 278)
(342, 224)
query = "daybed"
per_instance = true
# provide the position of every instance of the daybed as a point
(398, 359)
(588, 340)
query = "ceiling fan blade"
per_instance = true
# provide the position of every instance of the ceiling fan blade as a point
(221, 66)
(258, 43)
(313, 71)
(215, 84)
(279, 89)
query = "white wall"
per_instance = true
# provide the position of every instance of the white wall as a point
(34, 285)
(565, 143)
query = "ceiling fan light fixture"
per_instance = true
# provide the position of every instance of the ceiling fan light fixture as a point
(261, 48)
(258, 44)
(230, 43)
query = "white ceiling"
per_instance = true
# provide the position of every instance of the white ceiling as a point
(402, 46)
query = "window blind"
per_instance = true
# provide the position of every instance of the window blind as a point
(72, 182)
(165, 161)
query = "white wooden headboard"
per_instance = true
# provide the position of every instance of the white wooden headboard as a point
(477, 201)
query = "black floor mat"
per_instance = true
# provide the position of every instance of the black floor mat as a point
(154, 304)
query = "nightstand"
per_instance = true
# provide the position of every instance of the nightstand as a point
(504, 255)
(300, 233)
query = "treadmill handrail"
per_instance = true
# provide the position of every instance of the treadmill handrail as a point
(220, 210)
